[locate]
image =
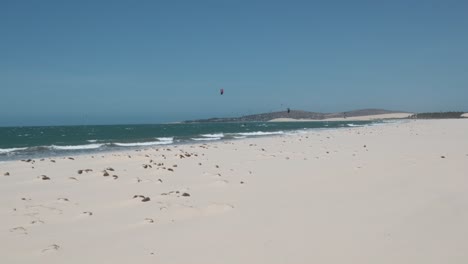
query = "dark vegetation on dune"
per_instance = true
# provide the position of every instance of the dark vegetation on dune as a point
(437, 115)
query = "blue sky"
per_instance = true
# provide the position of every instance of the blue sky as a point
(101, 62)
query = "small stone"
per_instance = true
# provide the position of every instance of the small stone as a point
(146, 199)
(186, 194)
(45, 178)
(105, 174)
(6, 174)
(443, 157)
(80, 171)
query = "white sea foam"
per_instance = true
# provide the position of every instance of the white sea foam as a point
(353, 125)
(239, 137)
(92, 140)
(260, 133)
(11, 150)
(165, 139)
(77, 147)
(136, 144)
(213, 135)
(206, 138)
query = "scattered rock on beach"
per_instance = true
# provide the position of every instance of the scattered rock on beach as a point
(45, 177)
(186, 194)
(80, 171)
(105, 174)
(443, 157)
(144, 198)
(6, 174)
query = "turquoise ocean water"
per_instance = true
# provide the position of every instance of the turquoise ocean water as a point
(30, 142)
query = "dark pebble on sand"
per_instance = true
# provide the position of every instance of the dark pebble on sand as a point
(186, 194)
(6, 174)
(44, 177)
(80, 171)
(146, 199)
(443, 157)
(105, 174)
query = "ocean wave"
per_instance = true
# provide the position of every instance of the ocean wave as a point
(77, 147)
(260, 133)
(92, 140)
(353, 125)
(239, 137)
(165, 138)
(137, 144)
(206, 138)
(10, 150)
(220, 135)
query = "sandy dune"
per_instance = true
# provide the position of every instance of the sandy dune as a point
(393, 193)
(355, 118)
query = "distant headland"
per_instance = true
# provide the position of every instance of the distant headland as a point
(357, 115)
(300, 115)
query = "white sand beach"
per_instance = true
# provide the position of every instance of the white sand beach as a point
(389, 193)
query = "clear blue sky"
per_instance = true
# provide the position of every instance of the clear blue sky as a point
(64, 62)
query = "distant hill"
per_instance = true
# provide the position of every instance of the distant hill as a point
(296, 114)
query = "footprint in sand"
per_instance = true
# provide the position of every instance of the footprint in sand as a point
(19, 230)
(51, 248)
(37, 222)
(149, 220)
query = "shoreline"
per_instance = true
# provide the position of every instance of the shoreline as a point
(107, 147)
